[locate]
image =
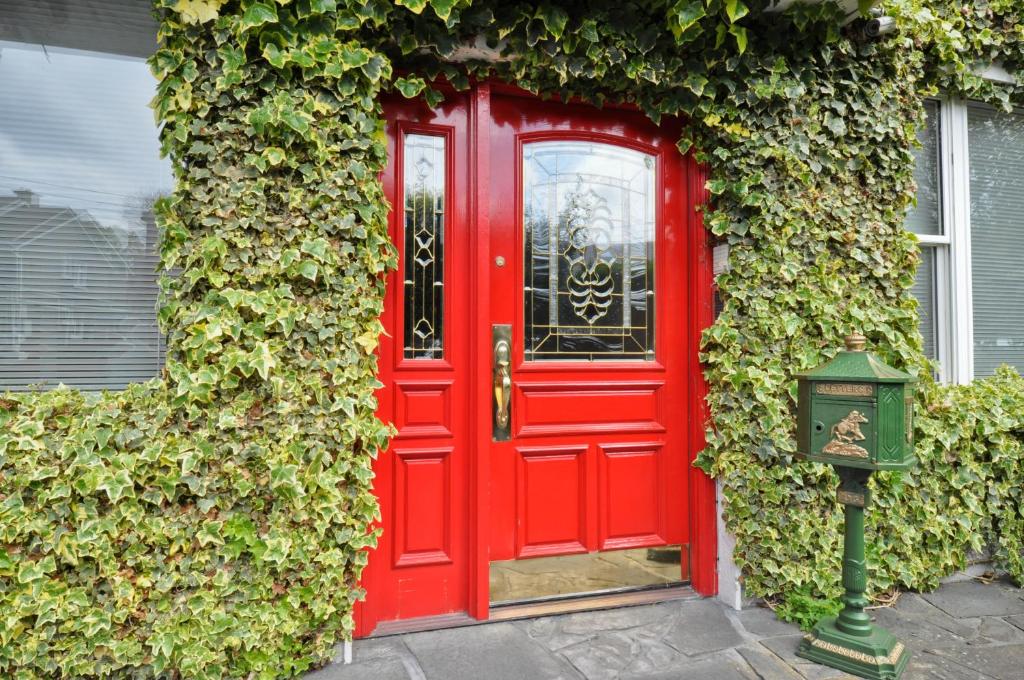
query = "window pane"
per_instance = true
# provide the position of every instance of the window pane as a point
(589, 250)
(925, 291)
(79, 171)
(996, 142)
(925, 217)
(424, 163)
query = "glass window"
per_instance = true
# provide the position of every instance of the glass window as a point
(424, 187)
(925, 288)
(79, 171)
(925, 220)
(996, 150)
(926, 216)
(588, 226)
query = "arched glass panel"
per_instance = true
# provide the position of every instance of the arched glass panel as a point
(588, 223)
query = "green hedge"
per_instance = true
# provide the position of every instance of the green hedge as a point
(212, 523)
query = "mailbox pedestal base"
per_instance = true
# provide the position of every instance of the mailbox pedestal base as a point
(878, 656)
(849, 641)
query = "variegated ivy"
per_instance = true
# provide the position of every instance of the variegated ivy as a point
(212, 522)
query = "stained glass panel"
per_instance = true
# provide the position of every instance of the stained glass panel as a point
(424, 188)
(588, 220)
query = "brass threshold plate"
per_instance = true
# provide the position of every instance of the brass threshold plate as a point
(569, 605)
(561, 605)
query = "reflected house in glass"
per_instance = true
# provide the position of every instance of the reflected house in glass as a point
(65, 283)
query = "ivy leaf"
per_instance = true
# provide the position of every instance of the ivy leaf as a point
(368, 341)
(318, 7)
(740, 34)
(353, 57)
(274, 155)
(735, 9)
(414, 6)
(263, 360)
(835, 124)
(118, 485)
(296, 120)
(309, 269)
(554, 19)
(316, 247)
(373, 68)
(410, 87)
(283, 475)
(198, 11)
(685, 14)
(258, 14)
(696, 82)
(443, 8)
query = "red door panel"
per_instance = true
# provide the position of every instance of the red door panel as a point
(571, 406)
(632, 481)
(552, 505)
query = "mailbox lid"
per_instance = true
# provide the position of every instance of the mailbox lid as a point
(856, 366)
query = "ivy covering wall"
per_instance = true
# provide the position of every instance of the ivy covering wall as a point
(213, 522)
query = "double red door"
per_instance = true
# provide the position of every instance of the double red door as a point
(541, 363)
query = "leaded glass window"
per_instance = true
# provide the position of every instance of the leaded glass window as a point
(424, 189)
(588, 221)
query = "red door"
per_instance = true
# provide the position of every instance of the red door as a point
(588, 274)
(541, 359)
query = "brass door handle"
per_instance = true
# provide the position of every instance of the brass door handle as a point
(502, 382)
(502, 376)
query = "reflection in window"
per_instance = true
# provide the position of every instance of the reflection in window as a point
(79, 171)
(996, 148)
(588, 221)
(424, 190)
(925, 217)
(924, 290)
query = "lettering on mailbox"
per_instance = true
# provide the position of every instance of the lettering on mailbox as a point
(850, 498)
(845, 389)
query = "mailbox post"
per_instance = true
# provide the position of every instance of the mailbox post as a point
(856, 414)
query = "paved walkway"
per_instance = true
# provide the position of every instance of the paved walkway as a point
(962, 631)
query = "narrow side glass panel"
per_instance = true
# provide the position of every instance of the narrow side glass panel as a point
(588, 223)
(424, 190)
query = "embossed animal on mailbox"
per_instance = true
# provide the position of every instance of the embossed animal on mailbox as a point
(848, 429)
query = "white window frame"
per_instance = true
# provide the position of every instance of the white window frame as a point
(954, 333)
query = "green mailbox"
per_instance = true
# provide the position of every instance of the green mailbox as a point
(856, 414)
(856, 411)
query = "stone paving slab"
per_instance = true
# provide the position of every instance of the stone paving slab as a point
(497, 651)
(963, 631)
(721, 666)
(767, 666)
(702, 626)
(970, 599)
(1005, 662)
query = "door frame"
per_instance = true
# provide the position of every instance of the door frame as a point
(701, 513)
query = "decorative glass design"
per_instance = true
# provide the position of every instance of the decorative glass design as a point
(424, 187)
(588, 221)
